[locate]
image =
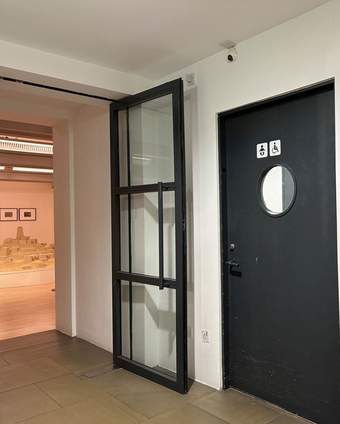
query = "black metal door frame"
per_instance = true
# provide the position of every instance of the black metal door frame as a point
(175, 88)
(224, 204)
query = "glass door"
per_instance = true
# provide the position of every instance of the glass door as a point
(148, 232)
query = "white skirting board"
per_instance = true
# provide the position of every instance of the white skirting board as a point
(26, 278)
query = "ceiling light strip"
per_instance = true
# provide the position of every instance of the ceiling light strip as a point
(20, 146)
(32, 170)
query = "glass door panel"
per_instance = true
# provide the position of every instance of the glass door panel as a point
(144, 234)
(154, 328)
(148, 216)
(151, 141)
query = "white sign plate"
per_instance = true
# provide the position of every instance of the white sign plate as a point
(275, 148)
(261, 150)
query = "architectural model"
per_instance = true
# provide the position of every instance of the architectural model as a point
(24, 253)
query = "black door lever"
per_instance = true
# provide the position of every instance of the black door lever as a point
(232, 265)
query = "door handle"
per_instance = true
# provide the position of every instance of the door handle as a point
(234, 268)
(233, 263)
(160, 236)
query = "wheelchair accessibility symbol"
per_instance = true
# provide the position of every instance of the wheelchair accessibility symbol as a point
(275, 148)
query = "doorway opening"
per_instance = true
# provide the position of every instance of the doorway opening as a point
(279, 256)
(27, 253)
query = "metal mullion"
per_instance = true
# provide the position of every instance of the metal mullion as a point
(129, 228)
(151, 94)
(115, 213)
(180, 213)
(160, 237)
(145, 188)
(147, 372)
(145, 279)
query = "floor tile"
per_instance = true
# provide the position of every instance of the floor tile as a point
(103, 410)
(97, 371)
(33, 340)
(58, 416)
(289, 419)
(18, 375)
(80, 356)
(236, 408)
(30, 353)
(154, 403)
(187, 415)
(20, 404)
(68, 389)
(122, 382)
(75, 355)
(198, 390)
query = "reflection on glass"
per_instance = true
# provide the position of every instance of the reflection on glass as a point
(124, 233)
(145, 235)
(154, 327)
(122, 137)
(151, 141)
(169, 234)
(278, 190)
(125, 315)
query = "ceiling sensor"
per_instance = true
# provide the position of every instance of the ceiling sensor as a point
(230, 46)
(232, 55)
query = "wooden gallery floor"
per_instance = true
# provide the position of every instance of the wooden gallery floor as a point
(26, 310)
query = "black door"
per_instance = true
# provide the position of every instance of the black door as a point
(280, 277)
(148, 233)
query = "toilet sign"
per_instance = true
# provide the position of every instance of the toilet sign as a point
(261, 150)
(275, 148)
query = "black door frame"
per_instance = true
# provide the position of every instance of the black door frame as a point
(223, 184)
(178, 186)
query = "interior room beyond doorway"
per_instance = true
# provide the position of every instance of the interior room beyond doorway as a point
(27, 280)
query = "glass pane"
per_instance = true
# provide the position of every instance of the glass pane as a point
(122, 137)
(124, 233)
(277, 190)
(144, 234)
(154, 327)
(125, 311)
(151, 141)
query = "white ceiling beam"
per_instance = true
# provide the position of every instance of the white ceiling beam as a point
(40, 67)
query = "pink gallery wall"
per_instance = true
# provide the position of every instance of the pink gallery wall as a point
(28, 195)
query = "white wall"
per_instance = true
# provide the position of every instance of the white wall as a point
(63, 228)
(298, 53)
(92, 225)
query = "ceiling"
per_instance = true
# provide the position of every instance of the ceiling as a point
(32, 105)
(151, 38)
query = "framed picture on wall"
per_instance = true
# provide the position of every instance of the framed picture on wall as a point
(8, 214)
(27, 214)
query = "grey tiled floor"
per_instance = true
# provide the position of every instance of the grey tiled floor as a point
(52, 379)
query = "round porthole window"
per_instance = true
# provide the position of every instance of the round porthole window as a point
(277, 190)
